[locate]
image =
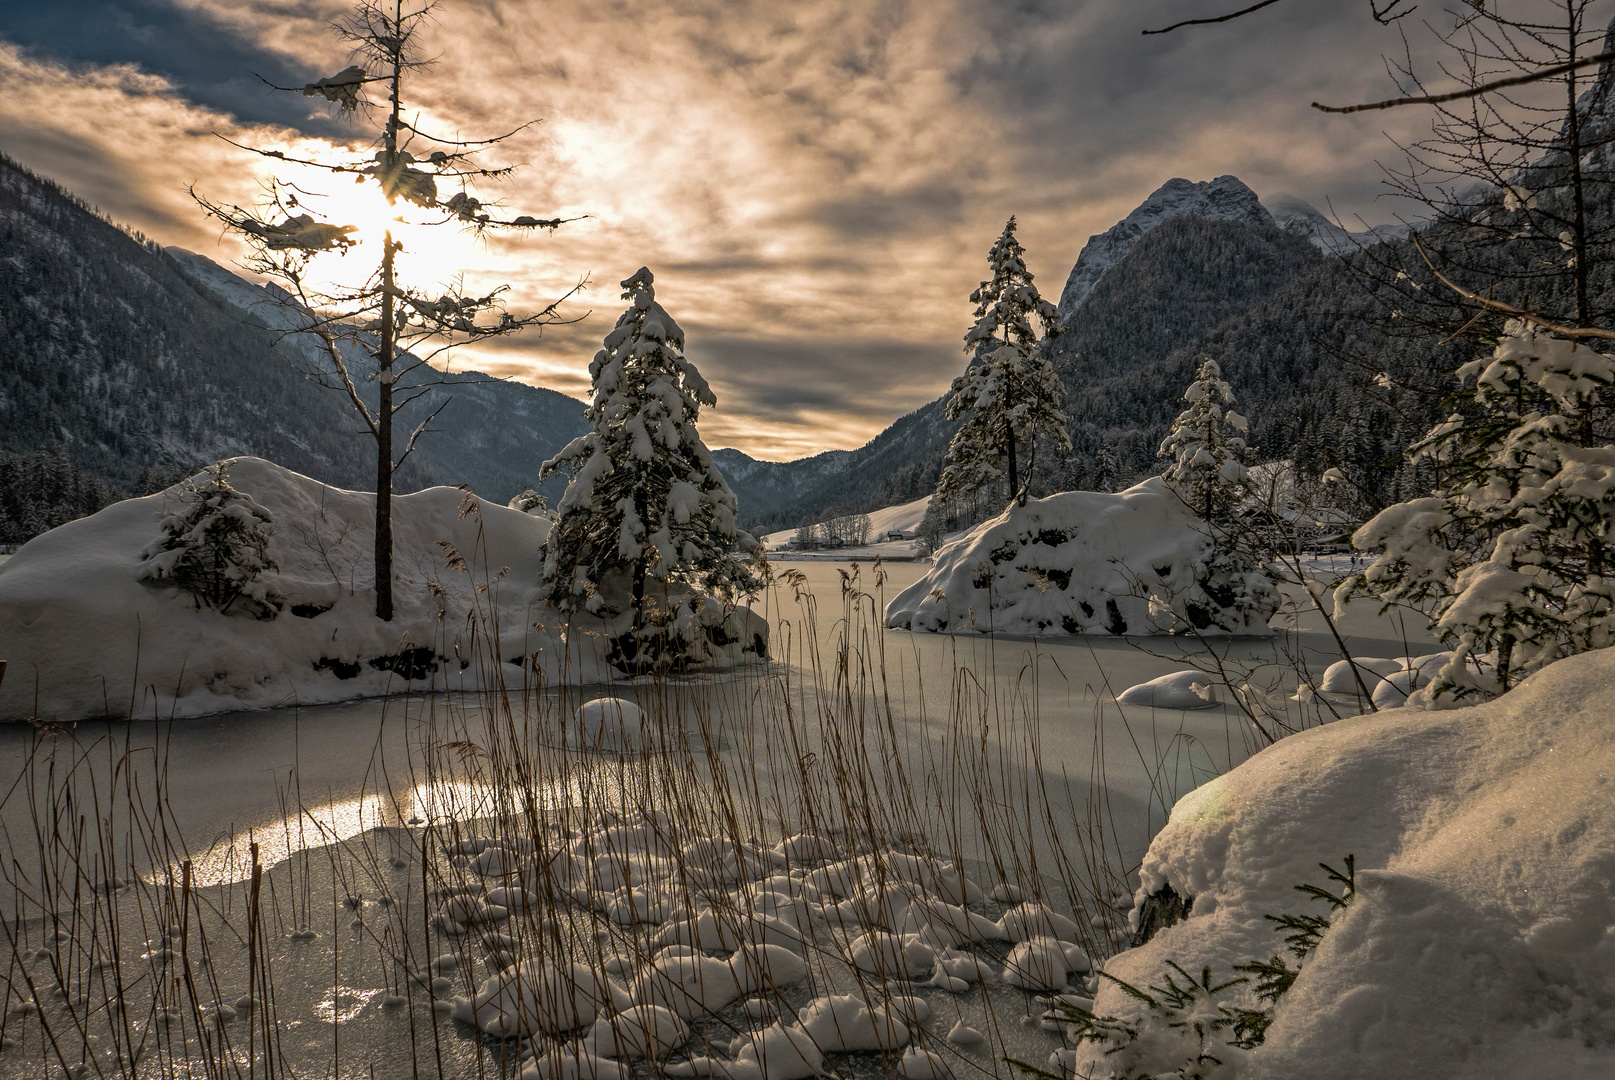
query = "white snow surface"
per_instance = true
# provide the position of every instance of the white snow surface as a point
(1295, 214)
(1076, 562)
(1481, 942)
(1190, 689)
(902, 518)
(86, 637)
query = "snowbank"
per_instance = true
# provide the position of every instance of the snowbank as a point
(1137, 562)
(86, 637)
(1481, 941)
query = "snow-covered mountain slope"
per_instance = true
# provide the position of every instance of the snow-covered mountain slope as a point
(898, 465)
(1481, 940)
(888, 519)
(128, 356)
(1224, 199)
(85, 636)
(1294, 214)
(765, 485)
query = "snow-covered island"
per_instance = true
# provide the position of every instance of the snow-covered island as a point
(1081, 562)
(88, 630)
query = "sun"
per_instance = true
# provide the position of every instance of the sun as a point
(433, 251)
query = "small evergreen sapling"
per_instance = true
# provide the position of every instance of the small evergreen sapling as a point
(1205, 445)
(1510, 555)
(216, 546)
(646, 503)
(1009, 394)
(1188, 1030)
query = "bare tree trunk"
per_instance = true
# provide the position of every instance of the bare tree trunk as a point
(1014, 473)
(384, 364)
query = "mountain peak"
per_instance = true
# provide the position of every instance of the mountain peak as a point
(1224, 199)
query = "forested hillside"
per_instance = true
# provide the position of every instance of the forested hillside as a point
(123, 359)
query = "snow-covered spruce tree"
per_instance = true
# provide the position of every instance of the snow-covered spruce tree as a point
(1510, 556)
(646, 504)
(215, 546)
(1205, 445)
(1009, 395)
(365, 331)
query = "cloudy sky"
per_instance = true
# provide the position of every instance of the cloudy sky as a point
(815, 182)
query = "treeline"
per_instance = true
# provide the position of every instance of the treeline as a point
(42, 490)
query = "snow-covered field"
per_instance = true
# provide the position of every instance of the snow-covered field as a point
(902, 518)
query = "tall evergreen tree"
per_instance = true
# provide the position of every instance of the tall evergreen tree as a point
(645, 503)
(1009, 394)
(1205, 445)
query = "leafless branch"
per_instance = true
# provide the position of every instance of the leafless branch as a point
(1572, 332)
(1232, 15)
(1382, 10)
(468, 142)
(420, 429)
(1475, 91)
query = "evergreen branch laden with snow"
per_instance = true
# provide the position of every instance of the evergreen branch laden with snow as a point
(1509, 556)
(645, 503)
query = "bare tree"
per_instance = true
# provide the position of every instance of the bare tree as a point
(383, 331)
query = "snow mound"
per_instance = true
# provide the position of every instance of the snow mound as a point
(1389, 681)
(1179, 690)
(1481, 941)
(85, 636)
(1137, 562)
(610, 723)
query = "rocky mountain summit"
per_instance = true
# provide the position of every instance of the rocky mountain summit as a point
(1224, 199)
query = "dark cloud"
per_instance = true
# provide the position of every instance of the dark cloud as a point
(782, 382)
(207, 60)
(866, 214)
(816, 184)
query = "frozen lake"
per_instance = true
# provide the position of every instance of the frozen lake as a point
(917, 765)
(230, 775)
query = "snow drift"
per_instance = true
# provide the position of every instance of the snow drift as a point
(1137, 562)
(85, 636)
(1481, 941)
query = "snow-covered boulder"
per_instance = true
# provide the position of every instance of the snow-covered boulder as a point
(1189, 689)
(1136, 562)
(610, 723)
(85, 635)
(1481, 940)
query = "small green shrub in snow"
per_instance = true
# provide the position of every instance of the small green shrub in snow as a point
(1187, 1029)
(215, 546)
